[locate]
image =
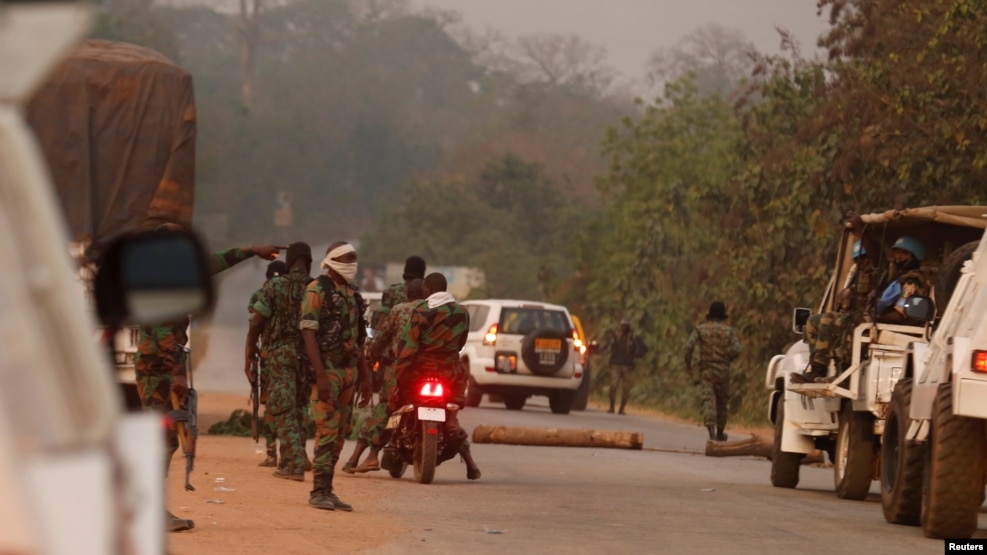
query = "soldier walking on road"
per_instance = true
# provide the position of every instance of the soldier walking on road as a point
(383, 350)
(414, 268)
(275, 268)
(625, 347)
(277, 312)
(718, 347)
(160, 360)
(334, 331)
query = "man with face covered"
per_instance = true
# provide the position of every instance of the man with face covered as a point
(334, 330)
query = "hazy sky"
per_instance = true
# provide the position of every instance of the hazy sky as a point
(631, 30)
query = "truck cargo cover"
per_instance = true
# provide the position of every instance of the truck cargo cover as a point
(964, 216)
(116, 124)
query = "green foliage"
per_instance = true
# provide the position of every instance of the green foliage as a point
(509, 221)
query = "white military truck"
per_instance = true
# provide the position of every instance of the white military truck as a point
(846, 417)
(77, 474)
(935, 458)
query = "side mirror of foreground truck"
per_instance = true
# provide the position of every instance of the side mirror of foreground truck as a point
(153, 277)
(799, 317)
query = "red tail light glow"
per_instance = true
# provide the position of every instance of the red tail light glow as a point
(979, 362)
(432, 389)
(490, 338)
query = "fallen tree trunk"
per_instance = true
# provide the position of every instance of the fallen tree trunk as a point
(558, 437)
(752, 446)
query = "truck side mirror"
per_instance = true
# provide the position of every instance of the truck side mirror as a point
(799, 318)
(153, 277)
(920, 308)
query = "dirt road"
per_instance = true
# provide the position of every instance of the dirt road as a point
(260, 513)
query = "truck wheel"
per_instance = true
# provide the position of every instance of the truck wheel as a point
(949, 273)
(784, 466)
(954, 472)
(901, 462)
(561, 401)
(582, 394)
(515, 401)
(854, 464)
(473, 393)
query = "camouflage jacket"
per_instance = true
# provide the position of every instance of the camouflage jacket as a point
(280, 302)
(394, 294)
(433, 336)
(718, 342)
(859, 291)
(164, 340)
(335, 313)
(383, 347)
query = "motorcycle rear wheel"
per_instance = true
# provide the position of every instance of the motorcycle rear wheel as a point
(426, 452)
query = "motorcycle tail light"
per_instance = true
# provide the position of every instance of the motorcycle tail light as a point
(432, 389)
(979, 362)
(490, 338)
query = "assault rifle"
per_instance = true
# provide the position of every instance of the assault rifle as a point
(254, 396)
(185, 418)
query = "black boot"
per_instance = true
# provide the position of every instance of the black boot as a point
(319, 497)
(272, 456)
(720, 436)
(622, 405)
(175, 524)
(610, 410)
(472, 470)
(712, 432)
(814, 371)
(331, 496)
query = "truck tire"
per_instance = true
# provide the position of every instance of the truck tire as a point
(561, 401)
(853, 469)
(949, 273)
(582, 394)
(473, 393)
(901, 462)
(533, 359)
(784, 466)
(954, 472)
(515, 401)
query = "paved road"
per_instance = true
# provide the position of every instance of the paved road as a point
(663, 499)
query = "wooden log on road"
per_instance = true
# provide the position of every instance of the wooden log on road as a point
(753, 446)
(557, 437)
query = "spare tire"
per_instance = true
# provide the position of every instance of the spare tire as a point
(949, 273)
(545, 351)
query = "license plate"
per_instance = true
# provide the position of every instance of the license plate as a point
(548, 344)
(393, 421)
(433, 414)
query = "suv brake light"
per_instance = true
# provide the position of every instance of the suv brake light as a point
(490, 338)
(979, 362)
(577, 343)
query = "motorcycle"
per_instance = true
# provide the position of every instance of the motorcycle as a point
(419, 437)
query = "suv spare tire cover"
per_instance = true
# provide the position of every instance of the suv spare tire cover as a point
(541, 360)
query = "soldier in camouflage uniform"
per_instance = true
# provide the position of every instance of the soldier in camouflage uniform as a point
(414, 268)
(160, 364)
(334, 331)
(429, 346)
(718, 347)
(275, 268)
(383, 350)
(829, 334)
(277, 312)
(625, 347)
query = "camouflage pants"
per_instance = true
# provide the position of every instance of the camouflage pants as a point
(333, 418)
(714, 396)
(153, 375)
(828, 337)
(282, 403)
(373, 426)
(267, 419)
(622, 377)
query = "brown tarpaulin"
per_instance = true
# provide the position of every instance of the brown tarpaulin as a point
(116, 123)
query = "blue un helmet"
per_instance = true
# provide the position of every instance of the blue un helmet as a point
(858, 250)
(912, 245)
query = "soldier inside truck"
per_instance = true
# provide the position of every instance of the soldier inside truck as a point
(926, 256)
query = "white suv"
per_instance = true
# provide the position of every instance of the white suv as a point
(516, 349)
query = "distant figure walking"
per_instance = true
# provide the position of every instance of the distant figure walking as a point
(718, 347)
(625, 347)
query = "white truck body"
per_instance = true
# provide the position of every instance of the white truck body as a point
(78, 476)
(846, 417)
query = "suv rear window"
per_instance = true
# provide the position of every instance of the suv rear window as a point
(524, 320)
(478, 315)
